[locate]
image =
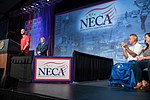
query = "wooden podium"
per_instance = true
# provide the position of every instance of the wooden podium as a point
(8, 48)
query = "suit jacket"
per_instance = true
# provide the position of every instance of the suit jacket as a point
(42, 48)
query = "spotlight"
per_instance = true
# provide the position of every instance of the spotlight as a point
(39, 4)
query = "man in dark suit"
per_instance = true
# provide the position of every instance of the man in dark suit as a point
(42, 47)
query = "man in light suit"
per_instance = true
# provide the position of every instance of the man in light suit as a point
(42, 47)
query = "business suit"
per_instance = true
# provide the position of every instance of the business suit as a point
(42, 47)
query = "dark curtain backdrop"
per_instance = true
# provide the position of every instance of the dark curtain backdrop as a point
(3, 29)
(37, 24)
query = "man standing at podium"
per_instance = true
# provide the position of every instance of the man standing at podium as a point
(25, 43)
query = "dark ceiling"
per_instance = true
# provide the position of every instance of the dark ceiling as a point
(7, 6)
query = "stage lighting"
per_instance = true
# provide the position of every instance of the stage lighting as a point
(37, 5)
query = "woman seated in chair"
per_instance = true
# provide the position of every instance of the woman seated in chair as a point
(143, 62)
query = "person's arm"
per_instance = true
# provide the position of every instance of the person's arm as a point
(44, 49)
(27, 44)
(144, 58)
(133, 54)
(125, 53)
(38, 49)
(124, 50)
(136, 52)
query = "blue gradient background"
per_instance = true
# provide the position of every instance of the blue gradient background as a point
(100, 41)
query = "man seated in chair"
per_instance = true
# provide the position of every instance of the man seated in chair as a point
(42, 47)
(122, 73)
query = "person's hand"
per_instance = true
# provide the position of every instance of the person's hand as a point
(39, 53)
(140, 58)
(124, 45)
(22, 51)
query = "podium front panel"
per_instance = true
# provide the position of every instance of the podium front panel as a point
(9, 46)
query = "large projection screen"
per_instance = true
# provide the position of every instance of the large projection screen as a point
(100, 28)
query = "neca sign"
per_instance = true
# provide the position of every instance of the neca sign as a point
(51, 71)
(94, 22)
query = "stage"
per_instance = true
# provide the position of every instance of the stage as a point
(91, 90)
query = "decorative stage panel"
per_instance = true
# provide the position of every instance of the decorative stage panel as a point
(99, 28)
(52, 69)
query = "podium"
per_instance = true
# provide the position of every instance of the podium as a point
(8, 48)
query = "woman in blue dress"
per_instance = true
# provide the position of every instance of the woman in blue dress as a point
(122, 73)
